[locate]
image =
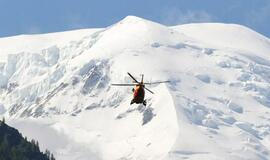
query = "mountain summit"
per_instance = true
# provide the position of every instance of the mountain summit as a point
(56, 88)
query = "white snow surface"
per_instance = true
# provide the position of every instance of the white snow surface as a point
(55, 88)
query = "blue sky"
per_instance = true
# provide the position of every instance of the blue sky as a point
(42, 16)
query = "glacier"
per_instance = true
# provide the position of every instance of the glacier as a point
(56, 89)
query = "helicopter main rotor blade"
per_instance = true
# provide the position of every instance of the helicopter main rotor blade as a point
(133, 77)
(158, 82)
(124, 84)
(149, 90)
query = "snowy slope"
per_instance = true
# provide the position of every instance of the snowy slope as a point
(228, 35)
(216, 106)
(34, 43)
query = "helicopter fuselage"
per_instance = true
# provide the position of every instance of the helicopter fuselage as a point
(138, 94)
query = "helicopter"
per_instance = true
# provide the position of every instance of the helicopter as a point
(138, 90)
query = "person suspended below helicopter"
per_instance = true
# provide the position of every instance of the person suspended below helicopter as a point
(138, 90)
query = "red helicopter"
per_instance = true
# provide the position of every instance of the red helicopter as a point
(138, 90)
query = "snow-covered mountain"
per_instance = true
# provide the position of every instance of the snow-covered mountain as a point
(56, 88)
